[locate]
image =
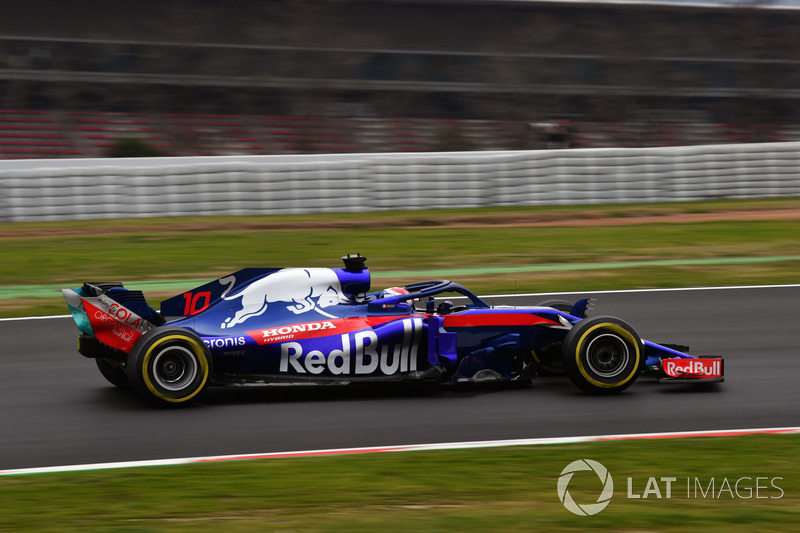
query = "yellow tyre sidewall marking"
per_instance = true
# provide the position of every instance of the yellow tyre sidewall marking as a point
(195, 348)
(622, 332)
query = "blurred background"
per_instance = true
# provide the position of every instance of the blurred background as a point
(91, 78)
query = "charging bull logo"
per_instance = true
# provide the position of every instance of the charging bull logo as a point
(305, 290)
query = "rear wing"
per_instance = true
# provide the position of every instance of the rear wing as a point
(116, 316)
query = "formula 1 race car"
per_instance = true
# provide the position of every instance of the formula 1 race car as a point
(323, 325)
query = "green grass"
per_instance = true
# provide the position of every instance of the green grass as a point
(181, 255)
(68, 253)
(491, 489)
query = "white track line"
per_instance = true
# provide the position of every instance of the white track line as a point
(536, 294)
(634, 291)
(401, 448)
(13, 319)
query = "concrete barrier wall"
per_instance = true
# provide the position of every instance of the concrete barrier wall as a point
(112, 188)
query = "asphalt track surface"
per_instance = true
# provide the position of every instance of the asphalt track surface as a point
(58, 410)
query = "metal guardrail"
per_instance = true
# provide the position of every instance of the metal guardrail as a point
(71, 189)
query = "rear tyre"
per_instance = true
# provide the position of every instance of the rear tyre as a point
(169, 366)
(113, 372)
(602, 355)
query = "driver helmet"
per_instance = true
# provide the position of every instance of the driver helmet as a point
(394, 291)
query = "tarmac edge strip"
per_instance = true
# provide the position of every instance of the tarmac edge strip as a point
(400, 448)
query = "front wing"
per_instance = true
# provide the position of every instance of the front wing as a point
(671, 364)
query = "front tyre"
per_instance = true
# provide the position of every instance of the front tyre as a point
(169, 366)
(602, 355)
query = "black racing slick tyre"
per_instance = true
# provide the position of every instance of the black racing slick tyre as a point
(113, 372)
(169, 366)
(602, 355)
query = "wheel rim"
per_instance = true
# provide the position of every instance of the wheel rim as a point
(607, 355)
(174, 368)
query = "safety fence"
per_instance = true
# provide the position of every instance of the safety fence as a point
(255, 185)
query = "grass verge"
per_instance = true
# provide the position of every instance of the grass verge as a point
(494, 489)
(68, 253)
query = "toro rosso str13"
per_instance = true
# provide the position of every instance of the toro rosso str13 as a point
(323, 325)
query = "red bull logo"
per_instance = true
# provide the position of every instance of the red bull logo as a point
(692, 368)
(361, 353)
(305, 290)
